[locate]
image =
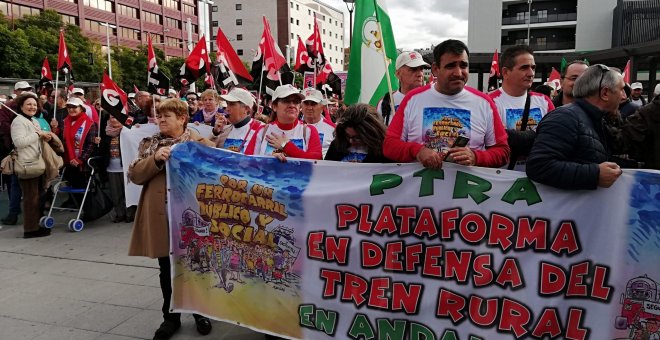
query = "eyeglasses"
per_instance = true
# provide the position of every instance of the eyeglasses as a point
(604, 69)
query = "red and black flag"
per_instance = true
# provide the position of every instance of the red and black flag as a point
(197, 64)
(157, 82)
(230, 69)
(270, 60)
(493, 79)
(303, 62)
(46, 77)
(115, 101)
(64, 61)
(317, 56)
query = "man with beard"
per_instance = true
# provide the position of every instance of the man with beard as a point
(432, 118)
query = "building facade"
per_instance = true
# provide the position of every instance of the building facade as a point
(555, 26)
(241, 22)
(166, 20)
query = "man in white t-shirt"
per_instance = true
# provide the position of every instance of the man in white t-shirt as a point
(518, 70)
(410, 73)
(312, 108)
(242, 127)
(431, 118)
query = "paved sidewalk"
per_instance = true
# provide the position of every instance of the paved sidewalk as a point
(83, 286)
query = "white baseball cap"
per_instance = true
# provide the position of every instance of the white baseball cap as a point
(657, 90)
(636, 86)
(77, 90)
(22, 85)
(239, 95)
(284, 91)
(74, 101)
(410, 59)
(313, 95)
(171, 91)
(131, 95)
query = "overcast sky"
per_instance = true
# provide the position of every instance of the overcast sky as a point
(420, 23)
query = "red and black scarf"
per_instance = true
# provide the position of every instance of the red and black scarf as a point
(71, 127)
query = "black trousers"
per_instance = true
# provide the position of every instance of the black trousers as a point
(166, 289)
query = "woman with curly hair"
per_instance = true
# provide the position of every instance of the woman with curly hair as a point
(359, 136)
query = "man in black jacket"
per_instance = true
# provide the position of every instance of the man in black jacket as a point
(571, 151)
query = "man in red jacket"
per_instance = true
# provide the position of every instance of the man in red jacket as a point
(431, 118)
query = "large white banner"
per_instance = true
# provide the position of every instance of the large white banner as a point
(130, 141)
(321, 250)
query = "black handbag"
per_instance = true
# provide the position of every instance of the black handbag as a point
(97, 203)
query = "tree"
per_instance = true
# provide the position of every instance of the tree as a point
(16, 53)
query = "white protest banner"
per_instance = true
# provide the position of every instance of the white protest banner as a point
(321, 250)
(130, 141)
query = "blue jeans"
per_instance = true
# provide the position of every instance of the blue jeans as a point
(15, 195)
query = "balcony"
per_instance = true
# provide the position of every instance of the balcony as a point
(540, 20)
(551, 46)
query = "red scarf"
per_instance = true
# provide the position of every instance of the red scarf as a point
(71, 126)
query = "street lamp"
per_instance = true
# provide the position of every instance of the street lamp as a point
(350, 5)
(108, 26)
(529, 20)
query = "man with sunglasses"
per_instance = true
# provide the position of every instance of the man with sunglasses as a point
(571, 150)
(193, 103)
(410, 73)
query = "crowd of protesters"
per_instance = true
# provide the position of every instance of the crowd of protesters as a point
(581, 138)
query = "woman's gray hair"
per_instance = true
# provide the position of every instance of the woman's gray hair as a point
(588, 84)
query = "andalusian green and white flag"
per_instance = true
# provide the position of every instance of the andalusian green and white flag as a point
(367, 82)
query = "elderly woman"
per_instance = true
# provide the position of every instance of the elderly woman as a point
(359, 136)
(209, 109)
(26, 136)
(80, 139)
(150, 231)
(286, 135)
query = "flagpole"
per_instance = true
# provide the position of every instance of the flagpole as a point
(261, 81)
(385, 60)
(57, 80)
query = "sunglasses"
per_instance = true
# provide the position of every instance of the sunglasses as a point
(604, 69)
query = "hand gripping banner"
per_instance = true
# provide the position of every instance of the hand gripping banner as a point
(322, 250)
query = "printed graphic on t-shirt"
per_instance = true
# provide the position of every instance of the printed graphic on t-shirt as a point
(354, 157)
(443, 125)
(234, 145)
(77, 140)
(321, 134)
(297, 142)
(514, 118)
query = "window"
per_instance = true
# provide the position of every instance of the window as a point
(309, 26)
(171, 4)
(67, 19)
(152, 17)
(172, 42)
(330, 46)
(330, 20)
(291, 19)
(127, 11)
(291, 4)
(522, 16)
(239, 7)
(239, 22)
(542, 14)
(522, 41)
(155, 1)
(239, 51)
(541, 41)
(239, 37)
(323, 45)
(324, 31)
(309, 12)
(95, 26)
(190, 10)
(103, 5)
(341, 25)
(297, 7)
(330, 59)
(297, 22)
(291, 36)
(214, 8)
(129, 33)
(174, 23)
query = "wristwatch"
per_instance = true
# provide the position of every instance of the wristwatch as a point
(283, 144)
